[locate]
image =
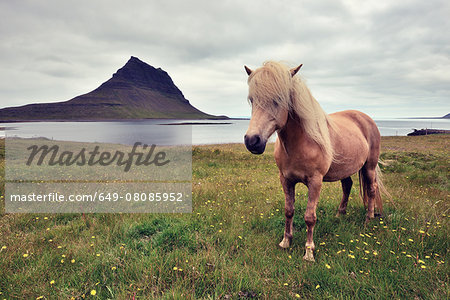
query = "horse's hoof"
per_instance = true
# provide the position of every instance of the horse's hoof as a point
(309, 256)
(367, 221)
(284, 243)
(340, 213)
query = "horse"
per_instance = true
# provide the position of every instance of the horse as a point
(312, 147)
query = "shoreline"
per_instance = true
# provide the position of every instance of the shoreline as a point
(108, 120)
(224, 118)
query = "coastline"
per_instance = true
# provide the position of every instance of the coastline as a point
(114, 120)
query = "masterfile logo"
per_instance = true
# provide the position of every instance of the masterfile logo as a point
(52, 156)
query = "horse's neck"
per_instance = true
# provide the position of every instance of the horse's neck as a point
(292, 131)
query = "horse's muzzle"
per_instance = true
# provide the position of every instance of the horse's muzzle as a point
(255, 144)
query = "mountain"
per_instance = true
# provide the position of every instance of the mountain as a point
(135, 91)
(447, 116)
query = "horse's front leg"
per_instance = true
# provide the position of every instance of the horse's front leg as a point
(289, 193)
(314, 185)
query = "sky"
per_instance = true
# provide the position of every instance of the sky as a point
(388, 59)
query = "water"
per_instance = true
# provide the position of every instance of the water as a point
(401, 127)
(158, 132)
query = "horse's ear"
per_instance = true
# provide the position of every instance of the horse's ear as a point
(295, 70)
(248, 70)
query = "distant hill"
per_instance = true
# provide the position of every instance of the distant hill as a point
(136, 91)
(447, 116)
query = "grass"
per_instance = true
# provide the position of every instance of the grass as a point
(227, 248)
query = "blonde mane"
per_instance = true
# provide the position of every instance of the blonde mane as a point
(273, 84)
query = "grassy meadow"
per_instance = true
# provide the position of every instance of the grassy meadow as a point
(227, 248)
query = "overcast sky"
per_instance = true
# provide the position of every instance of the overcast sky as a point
(386, 58)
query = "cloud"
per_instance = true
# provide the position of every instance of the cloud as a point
(385, 58)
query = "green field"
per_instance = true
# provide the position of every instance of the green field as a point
(227, 248)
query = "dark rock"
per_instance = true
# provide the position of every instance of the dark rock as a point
(140, 74)
(428, 131)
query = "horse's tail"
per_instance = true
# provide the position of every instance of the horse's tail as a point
(381, 188)
(364, 187)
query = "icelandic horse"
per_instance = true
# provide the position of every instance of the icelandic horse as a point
(312, 147)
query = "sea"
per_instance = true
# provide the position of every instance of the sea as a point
(176, 132)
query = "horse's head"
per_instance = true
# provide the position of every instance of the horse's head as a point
(269, 96)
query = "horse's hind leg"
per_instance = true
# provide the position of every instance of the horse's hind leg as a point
(289, 193)
(346, 188)
(370, 189)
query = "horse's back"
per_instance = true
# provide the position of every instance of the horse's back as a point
(356, 140)
(364, 123)
(357, 123)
